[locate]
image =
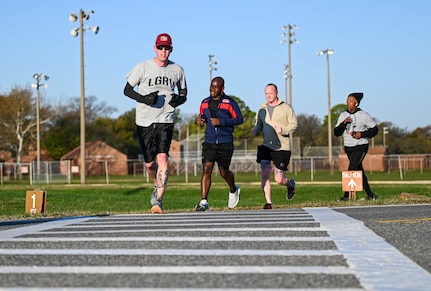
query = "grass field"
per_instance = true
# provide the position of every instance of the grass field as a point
(132, 194)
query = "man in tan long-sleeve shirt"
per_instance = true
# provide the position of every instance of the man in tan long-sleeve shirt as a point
(276, 120)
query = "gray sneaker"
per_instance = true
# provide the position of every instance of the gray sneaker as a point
(234, 198)
(156, 204)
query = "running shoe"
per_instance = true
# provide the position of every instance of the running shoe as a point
(268, 206)
(202, 206)
(343, 198)
(291, 189)
(157, 207)
(234, 198)
(372, 197)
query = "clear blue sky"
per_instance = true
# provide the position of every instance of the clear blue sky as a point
(381, 48)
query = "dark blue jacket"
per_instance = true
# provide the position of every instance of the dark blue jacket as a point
(229, 115)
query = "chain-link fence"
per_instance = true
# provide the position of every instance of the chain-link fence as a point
(189, 164)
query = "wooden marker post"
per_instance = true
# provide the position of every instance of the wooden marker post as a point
(352, 182)
(35, 201)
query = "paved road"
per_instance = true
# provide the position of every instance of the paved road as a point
(310, 248)
(407, 227)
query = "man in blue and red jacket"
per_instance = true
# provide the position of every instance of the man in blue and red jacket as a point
(220, 113)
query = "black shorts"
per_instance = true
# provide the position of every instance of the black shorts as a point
(155, 139)
(221, 153)
(281, 159)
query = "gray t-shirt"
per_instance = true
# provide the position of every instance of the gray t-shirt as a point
(361, 121)
(150, 77)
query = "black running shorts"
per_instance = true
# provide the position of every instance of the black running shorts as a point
(155, 139)
(221, 153)
(281, 159)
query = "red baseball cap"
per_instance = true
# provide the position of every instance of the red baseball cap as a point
(164, 39)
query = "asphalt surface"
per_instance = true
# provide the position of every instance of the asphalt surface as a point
(406, 227)
(365, 248)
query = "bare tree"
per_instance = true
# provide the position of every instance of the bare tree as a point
(93, 109)
(18, 119)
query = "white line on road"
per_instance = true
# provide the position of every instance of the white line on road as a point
(177, 270)
(174, 252)
(378, 265)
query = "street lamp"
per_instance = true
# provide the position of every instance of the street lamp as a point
(328, 52)
(288, 68)
(286, 79)
(74, 32)
(38, 77)
(211, 67)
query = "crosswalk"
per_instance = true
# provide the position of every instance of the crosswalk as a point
(299, 249)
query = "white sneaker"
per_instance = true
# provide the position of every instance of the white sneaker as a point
(234, 198)
(202, 206)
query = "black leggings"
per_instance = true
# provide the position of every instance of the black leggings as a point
(355, 158)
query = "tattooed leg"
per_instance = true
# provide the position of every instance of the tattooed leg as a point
(280, 177)
(162, 174)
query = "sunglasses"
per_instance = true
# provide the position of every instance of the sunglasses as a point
(166, 47)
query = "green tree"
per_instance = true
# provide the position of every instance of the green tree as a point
(244, 130)
(395, 139)
(335, 113)
(125, 131)
(63, 136)
(102, 129)
(308, 131)
(417, 141)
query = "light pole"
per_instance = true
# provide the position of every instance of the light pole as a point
(385, 132)
(74, 32)
(211, 62)
(38, 77)
(288, 69)
(328, 52)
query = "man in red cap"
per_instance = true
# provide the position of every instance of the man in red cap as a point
(161, 87)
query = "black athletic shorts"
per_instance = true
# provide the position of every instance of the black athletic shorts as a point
(221, 153)
(281, 159)
(155, 139)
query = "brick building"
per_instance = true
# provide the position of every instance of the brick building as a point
(374, 160)
(100, 157)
